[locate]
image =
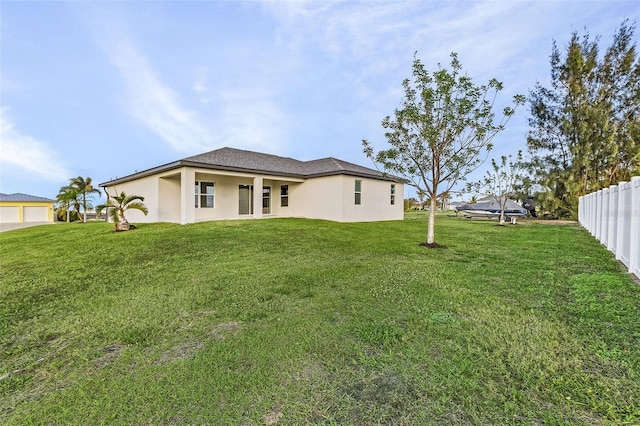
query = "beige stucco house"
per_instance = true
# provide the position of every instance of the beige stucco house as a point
(232, 184)
(24, 208)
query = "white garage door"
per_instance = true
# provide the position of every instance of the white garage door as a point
(35, 214)
(8, 214)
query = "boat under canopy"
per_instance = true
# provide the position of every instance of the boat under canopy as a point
(491, 209)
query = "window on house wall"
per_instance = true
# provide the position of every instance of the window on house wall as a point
(393, 194)
(358, 192)
(284, 195)
(204, 195)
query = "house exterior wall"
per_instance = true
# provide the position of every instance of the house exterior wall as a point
(26, 211)
(169, 192)
(147, 187)
(375, 200)
(170, 197)
(333, 198)
(320, 198)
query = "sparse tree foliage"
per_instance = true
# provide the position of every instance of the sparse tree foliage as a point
(501, 181)
(441, 132)
(117, 205)
(585, 128)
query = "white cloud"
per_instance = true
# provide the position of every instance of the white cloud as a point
(28, 154)
(201, 86)
(250, 118)
(154, 104)
(211, 113)
(487, 33)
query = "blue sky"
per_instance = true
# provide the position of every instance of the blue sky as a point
(105, 88)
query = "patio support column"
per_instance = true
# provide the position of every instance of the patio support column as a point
(257, 197)
(187, 196)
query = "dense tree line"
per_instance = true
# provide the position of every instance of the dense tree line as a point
(585, 128)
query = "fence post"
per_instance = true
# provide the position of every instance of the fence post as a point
(604, 225)
(598, 223)
(581, 210)
(612, 232)
(589, 212)
(634, 228)
(622, 195)
(594, 213)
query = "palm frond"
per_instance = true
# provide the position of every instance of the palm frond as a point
(138, 206)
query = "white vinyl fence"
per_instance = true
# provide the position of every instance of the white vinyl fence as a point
(612, 215)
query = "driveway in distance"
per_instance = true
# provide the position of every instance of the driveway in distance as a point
(17, 225)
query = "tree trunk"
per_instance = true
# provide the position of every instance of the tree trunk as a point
(432, 221)
(502, 218)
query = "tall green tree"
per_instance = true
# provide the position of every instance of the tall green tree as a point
(585, 127)
(84, 187)
(441, 132)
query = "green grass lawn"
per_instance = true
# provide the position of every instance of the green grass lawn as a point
(292, 321)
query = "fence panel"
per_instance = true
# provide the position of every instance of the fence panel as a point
(624, 222)
(635, 227)
(604, 225)
(598, 216)
(612, 215)
(612, 232)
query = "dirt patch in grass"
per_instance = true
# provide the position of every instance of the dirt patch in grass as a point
(272, 417)
(180, 352)
(220, 331)
(186, 349)
(111, 354)
(388, 390)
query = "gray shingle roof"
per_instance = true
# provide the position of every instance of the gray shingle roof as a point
(18, 196)
(259, 162)
(248, 160)
(232, 159)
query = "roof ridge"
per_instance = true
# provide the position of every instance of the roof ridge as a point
(234, 159)
(227, 148)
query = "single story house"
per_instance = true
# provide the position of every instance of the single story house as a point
(24, 208)
(230, 183)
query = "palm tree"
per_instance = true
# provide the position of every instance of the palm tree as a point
(67, 199)
(118, 204)
(85, 189)
(422, 194)
(444, 200)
